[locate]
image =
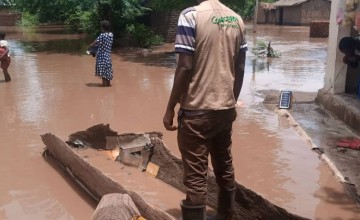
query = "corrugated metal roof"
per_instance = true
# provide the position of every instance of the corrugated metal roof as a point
(287, 3)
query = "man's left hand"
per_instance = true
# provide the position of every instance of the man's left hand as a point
(168, 120)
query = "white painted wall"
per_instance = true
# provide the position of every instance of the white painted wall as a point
(335, 76)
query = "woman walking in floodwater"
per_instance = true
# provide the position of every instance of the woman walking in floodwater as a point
(4, 57)
(103, 67)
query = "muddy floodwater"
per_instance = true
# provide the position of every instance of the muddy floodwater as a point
(53, 89)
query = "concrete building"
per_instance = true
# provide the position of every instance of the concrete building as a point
(340, 95)
(294, 12)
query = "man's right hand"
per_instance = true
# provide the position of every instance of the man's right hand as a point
(168, 120)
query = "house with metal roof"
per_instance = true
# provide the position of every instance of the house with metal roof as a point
(294, 12)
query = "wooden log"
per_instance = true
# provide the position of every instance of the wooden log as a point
(96, 182)
(115, 206)
(249, 205)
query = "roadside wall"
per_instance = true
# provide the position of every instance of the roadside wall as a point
(341, 107)
(8, 18)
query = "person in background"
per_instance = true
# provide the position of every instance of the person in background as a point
(211, 49)
(350, 47)
(103, 67)
(5, 59)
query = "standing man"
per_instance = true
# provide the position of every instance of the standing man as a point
(211, 46)
(350, 47)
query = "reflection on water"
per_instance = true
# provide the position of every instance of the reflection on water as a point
(260, 65)
(54, 90)
(69, 46)
(148, 58)
(23, 206)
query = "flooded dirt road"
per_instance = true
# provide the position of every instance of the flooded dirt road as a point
(53, 89)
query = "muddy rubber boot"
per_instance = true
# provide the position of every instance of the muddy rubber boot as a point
(192, 212)
(226, 203)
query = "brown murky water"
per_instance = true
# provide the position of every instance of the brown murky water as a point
(53, 89)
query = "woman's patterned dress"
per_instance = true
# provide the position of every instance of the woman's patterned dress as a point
(103, 57)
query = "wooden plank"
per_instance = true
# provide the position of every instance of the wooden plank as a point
(96, 182)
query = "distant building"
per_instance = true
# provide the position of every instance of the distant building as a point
(294, 12)
(7, 16)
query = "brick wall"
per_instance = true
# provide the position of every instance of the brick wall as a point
(315, 10)
(8, 18)
(319, 29)
(164, 24)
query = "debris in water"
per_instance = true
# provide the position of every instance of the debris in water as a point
(261, 49)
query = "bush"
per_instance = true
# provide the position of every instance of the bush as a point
(28, 20)
(84, 21)
(143, 36)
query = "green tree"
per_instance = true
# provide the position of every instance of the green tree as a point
(168, 5)
(126, 12)
(6, 3)
(52, 11)
(268, 1)
(125, 15)
(243, 7)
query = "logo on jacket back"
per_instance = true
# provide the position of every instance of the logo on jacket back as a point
(226, 21)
